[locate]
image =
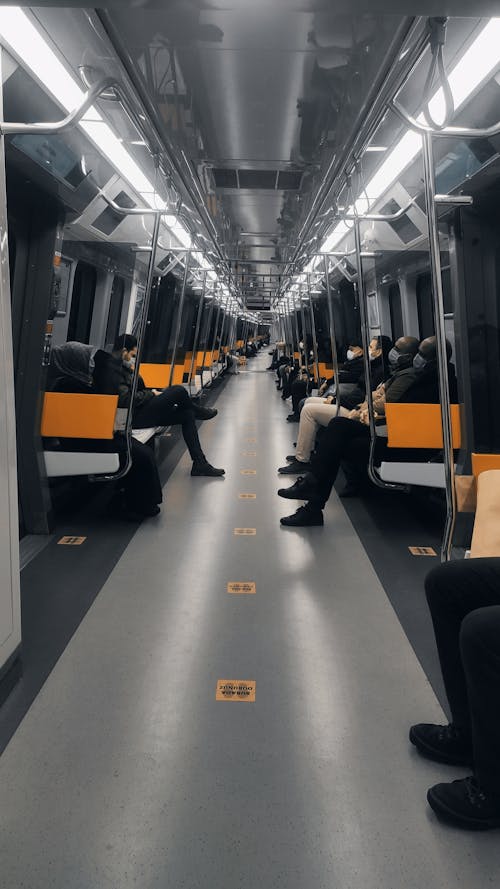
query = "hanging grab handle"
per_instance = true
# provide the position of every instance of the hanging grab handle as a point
(437, 40)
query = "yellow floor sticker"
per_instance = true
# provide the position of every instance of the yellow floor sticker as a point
(236, 690)
(251, 440)
(249, 472)
(245, 532)
(242, 588)
(71, 541)
(247, 496)
(422, 551)
(249, 453)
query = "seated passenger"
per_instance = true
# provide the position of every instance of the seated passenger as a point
(71, 368)
(351, 376)
(419, 384)
(318, 411)
(464, 601)
(152, 407)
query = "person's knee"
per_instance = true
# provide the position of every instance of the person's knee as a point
(480, 630)
(437, 582)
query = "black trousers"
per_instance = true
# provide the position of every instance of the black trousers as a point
(142, 482)
(337, 443)
(172, 407)
(299, 390)
(464, 601)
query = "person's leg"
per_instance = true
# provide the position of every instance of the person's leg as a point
(142, 483)
(453, 590)
(299, 391)
(474, 802)
(480, 650)
(313, 414)
(316, 486)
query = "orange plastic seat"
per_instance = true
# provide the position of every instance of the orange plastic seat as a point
(419, 425)
(78, 415)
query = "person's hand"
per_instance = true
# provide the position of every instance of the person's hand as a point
(157, 391)
(322, 388)
(355, 414)
(329, 400)
(363, 417)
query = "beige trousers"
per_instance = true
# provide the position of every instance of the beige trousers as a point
(314, 414)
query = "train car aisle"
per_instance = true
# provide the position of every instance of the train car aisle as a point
(128, 771)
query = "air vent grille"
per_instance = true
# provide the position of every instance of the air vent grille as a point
(109, 219)
(269, 180)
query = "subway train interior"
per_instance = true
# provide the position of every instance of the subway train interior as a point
(212, 212)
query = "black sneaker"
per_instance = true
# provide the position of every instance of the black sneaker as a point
(207, 470)
(293, 418)
(464, 803)
(294, 467)
(303, 518)
(303, 489)
(442, 743)
(204, 413)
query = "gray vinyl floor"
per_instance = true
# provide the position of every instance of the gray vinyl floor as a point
(128, 772)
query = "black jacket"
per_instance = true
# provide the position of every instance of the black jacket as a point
(412, 387)
(112, 377)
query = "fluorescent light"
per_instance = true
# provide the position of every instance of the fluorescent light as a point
(22, 38)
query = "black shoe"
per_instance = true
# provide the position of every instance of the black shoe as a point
(206, 469)
(464, 803)
(204, 413)
(293, 468)
(293, 418)
(303, 518)
(290, 458)
(303, 489)
(442, 743)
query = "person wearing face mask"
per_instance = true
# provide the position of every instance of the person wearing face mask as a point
(416, 384)
(152, 407)
(351, 374)
(318, 411)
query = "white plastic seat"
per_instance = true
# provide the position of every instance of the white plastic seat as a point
(62, 463)
(426, 475)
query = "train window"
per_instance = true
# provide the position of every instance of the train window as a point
(115, 310)
(424, 306)
(82, 303)
(396, 311)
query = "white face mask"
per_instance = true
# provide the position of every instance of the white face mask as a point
(129, 362)
(350, 355)
(301, 345)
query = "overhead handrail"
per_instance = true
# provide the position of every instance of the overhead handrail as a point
(380, 217)
(437, 40)
(71, 119)
(459, 132)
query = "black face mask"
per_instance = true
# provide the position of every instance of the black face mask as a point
(399, 360)
(420, 363)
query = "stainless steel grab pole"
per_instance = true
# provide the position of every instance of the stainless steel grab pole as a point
(140, 342)
(333, 338)
(216, 328)
(192, 369)
(178, 319)
(363, 311)
(313, 330)
(207, 334)
(442, 358)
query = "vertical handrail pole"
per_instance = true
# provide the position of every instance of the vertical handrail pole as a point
(213, 344)
(313, 329)
(192, 369)
(207, 333)
(178, 320)
(442, 358)
(294, 323)
(333, 338)
(140, 342)
(305, 350)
